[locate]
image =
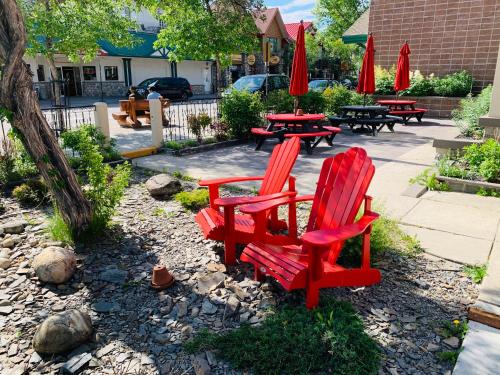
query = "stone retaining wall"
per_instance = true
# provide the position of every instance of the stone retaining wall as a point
(437, 106)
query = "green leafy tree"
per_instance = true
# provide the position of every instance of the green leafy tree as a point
(206, 29)
(74, 28)
(334, 18)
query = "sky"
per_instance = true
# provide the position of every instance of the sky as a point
(293, 10)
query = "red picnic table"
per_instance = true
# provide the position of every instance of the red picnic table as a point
(307, 127)
(404, 109)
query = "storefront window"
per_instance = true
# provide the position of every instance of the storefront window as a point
(40, 73)
(111, 73)
(89, 73)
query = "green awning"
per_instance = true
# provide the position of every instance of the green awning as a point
(355, 39)
(144, 47)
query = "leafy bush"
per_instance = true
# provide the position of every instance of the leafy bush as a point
(455, 84)
(428, 179)
(384, 80)
(193, 200)
(484, 159)
(221, 131)
(294, 340)
(338, 96)
(31, 193)
(420, 85)
(105, 186)
(452, 167)
(279, 101)
(58, 229)
(312, 102)
(467, 115)
(476, 273)
(198, 123)
(241, 111)
(15, 162)
(106, 148)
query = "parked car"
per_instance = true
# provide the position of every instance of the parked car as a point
(349, 82)
(257, 83)
(320, 85)
(168, 87)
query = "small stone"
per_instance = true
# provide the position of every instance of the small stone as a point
(200, 366)
(76, 363)
(8, 243)
(14, 227)
(122, 357)
(267, 302)
(216, 267)
(208, 308)
(432, 347)
(163, 185)
(453, 342)
(147, 360)
(393, 328)
(35, 358)
(186, 331)
(54, 265)
(13, 349)
(212, 361)
(62, 332)
(114, 275)
(105, 307)
(232, 306)
(5, 310)
(408, 319)
(182, 307)
(4, 263)
(210, 281)
(103, 351)
(5, 253)
(244, 317)
(161, 338)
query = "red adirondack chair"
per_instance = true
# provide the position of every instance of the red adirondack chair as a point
(310, 262)
(225, 225)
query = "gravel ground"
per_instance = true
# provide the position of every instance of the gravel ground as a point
(139, 330)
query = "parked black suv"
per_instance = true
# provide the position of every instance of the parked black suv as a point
(257, 82)
(168, 87)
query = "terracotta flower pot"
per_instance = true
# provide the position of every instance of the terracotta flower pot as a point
(161, 278)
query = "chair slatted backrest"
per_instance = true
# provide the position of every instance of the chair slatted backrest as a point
(280, 166)
(342, 186)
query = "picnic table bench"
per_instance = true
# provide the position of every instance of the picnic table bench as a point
(132, 111)
(307, 127)
(405, 109)
(363, 118)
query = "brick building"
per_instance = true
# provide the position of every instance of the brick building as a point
(445, 36)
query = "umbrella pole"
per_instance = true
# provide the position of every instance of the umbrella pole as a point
(295, 105)
(364, 100)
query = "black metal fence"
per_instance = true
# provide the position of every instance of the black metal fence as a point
(61, 119)
(179, 113)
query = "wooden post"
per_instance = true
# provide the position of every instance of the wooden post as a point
(155, 110)
(102, 119)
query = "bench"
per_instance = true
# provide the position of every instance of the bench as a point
(338, 120)
(312, 139)
(407, 114)
(376, 124)
(132, 111)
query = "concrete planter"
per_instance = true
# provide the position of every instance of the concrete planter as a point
(203, 148)
(445, 146)
(437, 106)
(468, 186)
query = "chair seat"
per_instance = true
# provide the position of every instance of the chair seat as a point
(287, 264)
(212, 223)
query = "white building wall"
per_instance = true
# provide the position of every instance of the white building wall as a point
(148, 68)
(198, 73)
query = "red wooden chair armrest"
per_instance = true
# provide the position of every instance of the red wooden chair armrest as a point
(268, 204)
(236, 201)
(229, 180)
(327, 237)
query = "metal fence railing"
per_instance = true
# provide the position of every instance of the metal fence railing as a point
(61, 119)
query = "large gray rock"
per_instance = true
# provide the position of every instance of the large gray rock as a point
(62, 332)
(16, 226)
(163, 185)
(54, 265)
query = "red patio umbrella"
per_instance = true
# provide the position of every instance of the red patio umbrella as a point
(402, 80)
(298, 83)
(366, 82)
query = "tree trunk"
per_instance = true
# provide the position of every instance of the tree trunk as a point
(57, 90)
(17, 96)
(218, 73)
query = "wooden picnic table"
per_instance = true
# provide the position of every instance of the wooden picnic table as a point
(368, 117)
(404, 109)
(307, 127)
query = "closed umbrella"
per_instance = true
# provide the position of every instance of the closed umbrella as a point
(298, 83)
(366, 82)
(402, 80)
